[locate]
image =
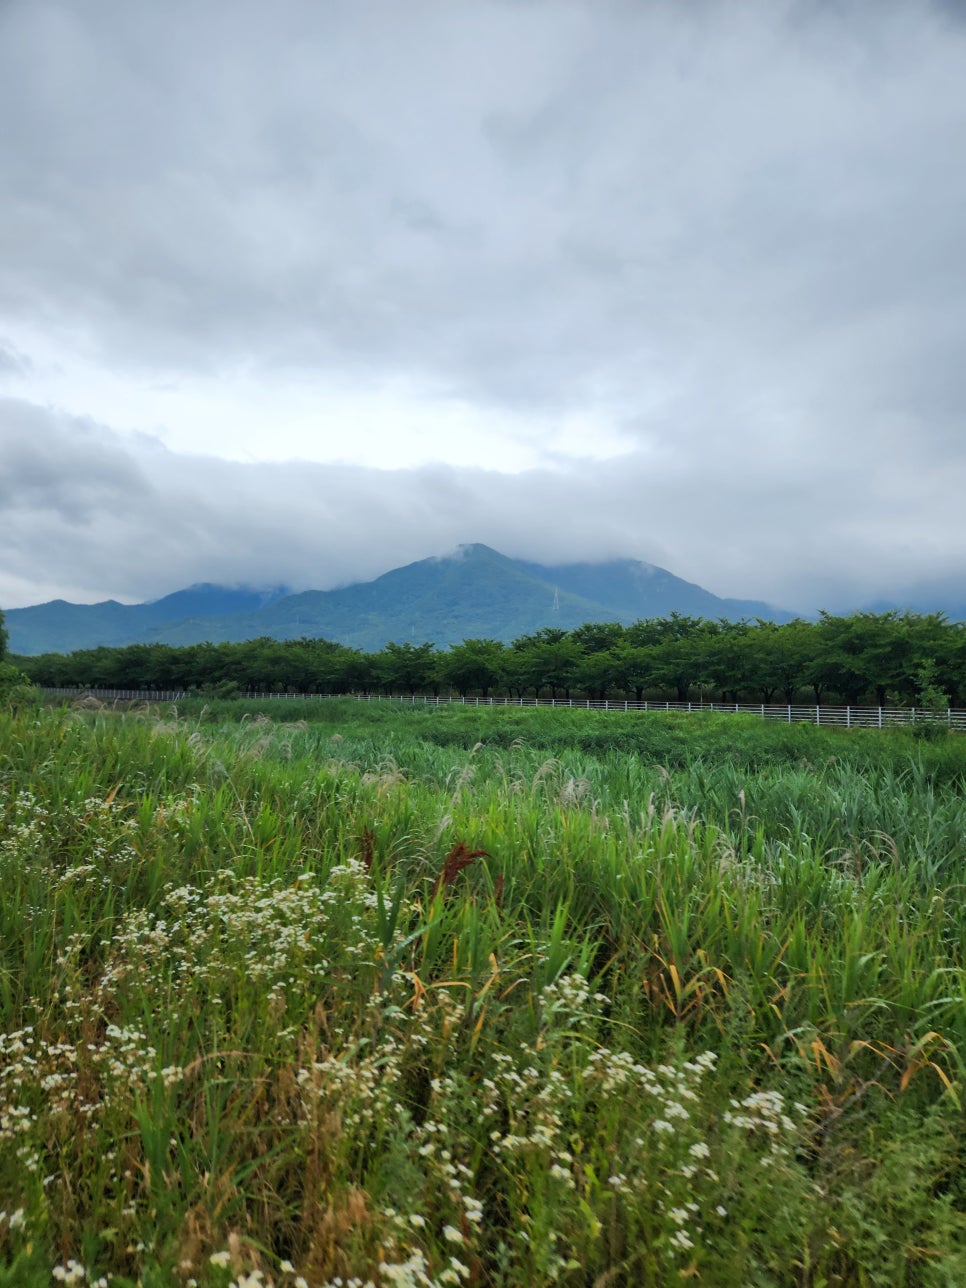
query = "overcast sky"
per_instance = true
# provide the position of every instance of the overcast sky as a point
(297, 293)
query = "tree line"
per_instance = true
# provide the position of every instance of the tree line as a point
(911, 659)
(10, 676)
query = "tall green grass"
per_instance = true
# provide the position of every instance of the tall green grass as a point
(431, 997)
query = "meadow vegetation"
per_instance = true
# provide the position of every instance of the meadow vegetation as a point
(371, 995)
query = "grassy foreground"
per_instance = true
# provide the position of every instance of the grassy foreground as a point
(443, 997)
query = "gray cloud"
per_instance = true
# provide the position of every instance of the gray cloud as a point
(12, 361)
(101, 515)
(731, 232)
(521, 202)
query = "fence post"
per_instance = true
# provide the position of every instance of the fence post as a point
(848, 717)
(880, 717)
(818, 715)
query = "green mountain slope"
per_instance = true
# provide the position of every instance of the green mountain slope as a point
(623, 585)
(61, 627)
(475, 592)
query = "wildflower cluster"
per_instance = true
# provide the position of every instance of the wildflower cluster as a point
(278, 941)
(25, 822)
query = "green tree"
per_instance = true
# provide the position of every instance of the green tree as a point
(867, 652)
(408, 667)
(637, 665)
(12, 679)
(549, 659)
(930, 695)
(598, 637)
(601, 666)
(658, 630)
(788, 651)
(337, 668)
(680, 664)
(252, 665)
(936, 657)
(951, 662)
(681, 656)
(474, 664)
(727, 661)
(600, 672)
(777, 658)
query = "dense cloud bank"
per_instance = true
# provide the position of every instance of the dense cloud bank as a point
(91, 514)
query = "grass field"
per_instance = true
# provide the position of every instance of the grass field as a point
(334, 994)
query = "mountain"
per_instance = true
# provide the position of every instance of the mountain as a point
(937, 595)
(624, 585)
(61, 627)
(475, 592)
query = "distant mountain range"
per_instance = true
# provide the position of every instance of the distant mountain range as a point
(947, 597)
(475, 592)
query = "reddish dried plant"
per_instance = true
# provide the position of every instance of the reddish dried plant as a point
(367, 847)
(459, 857)
(498, 891)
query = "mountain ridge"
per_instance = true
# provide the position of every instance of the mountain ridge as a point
(473, 592)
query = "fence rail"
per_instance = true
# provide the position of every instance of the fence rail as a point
(117, 695)
(841, 717)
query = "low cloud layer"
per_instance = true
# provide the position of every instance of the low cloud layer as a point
(91, 514)
(301, 295)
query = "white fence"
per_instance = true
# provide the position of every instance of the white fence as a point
(118, 695)
(840, 717)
